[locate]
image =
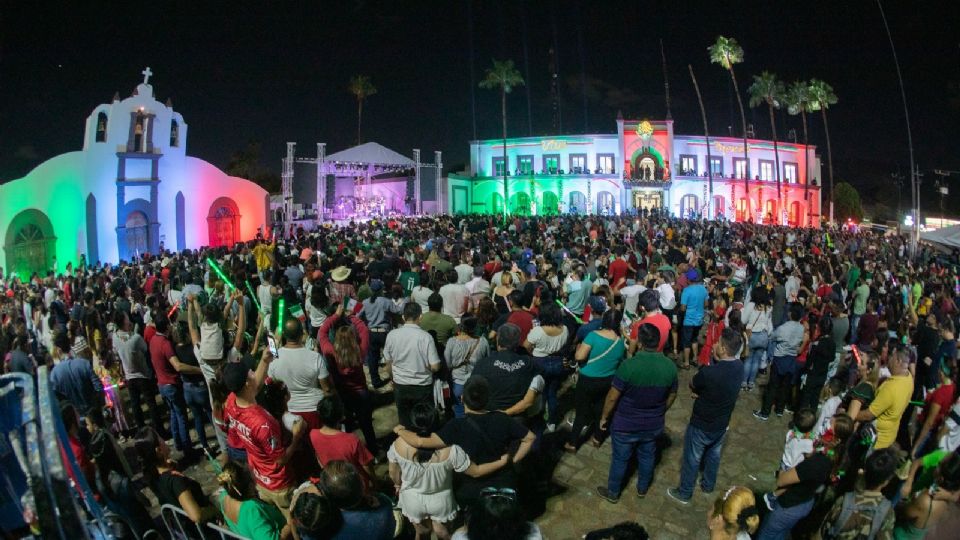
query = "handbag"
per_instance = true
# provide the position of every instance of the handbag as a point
(757, 340)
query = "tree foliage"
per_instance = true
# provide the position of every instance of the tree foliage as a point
(245, 163)
(846, 201)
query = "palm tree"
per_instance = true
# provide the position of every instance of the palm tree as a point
(799, 101)
(503, 75)
(706, 133)
(766, 88)
(362, 88)
(727, 52)
(822, 97)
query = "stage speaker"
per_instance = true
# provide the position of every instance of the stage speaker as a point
(410, 187)
(330, 190)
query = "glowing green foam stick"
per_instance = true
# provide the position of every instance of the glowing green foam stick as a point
(253, 295)
(220, 273)
(572, 314)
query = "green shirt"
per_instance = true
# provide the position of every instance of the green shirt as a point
(605, 356)
(256, 520)
(860, 299)
(408, 280)
(443, 326)
(852, 276)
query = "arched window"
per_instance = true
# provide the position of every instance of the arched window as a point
(101, 127)
(689, 206)
(30, 245)
(174, 134)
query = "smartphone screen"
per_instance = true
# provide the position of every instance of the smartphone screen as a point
(272, 345)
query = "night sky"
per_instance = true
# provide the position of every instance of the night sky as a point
(278, 71)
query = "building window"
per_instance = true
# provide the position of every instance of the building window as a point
(688, 165)
(174, 134)
(716, 166)
(524, 164)
(551, 163)
(498, 166)
(101, 127)
(605, 163)
(740, 167)
(790, 173)
(766, 170)
(578, 163)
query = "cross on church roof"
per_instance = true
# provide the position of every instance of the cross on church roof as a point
(146, 75)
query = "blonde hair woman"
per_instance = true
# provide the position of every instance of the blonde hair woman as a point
(733, 516)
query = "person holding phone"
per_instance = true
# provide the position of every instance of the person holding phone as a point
(304, 371)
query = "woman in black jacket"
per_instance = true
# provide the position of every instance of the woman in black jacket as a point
(818, 362)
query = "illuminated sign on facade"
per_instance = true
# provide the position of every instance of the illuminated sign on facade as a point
(553, 144)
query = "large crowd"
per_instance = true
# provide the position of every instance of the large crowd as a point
(480, 329)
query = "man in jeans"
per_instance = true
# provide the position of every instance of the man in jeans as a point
(787, 339)
(168, 369)
(715, 389)
(412, 360)
(643, 388)
(134, 354)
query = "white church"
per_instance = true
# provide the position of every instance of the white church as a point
(132, 189)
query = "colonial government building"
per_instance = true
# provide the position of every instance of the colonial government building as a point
(643, 166)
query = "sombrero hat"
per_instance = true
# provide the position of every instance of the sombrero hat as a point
(340, 273)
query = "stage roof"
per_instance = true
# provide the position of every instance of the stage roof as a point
(371, 152)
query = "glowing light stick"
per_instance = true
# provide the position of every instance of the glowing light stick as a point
(280, 307)
(253, 295)
(173, 309)
(572, 314)
(220, 273)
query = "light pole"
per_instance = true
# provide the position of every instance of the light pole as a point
(914, 181)
(943, 190)
(898, 180)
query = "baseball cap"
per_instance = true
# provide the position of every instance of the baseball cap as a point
(598, 304)
(376, 285)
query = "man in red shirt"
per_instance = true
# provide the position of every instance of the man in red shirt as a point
(259, 432)
(617, 271)
(168, 369)
(649, 302)
(519, 314)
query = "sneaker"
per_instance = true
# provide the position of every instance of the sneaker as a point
(779, 414)
(674, 494)
(641, 494)
(551, 428)
(743, 386)
(788, 409)
(750, 387)
(760, 416)
(605, 494)
(706, 491)
(769, 499)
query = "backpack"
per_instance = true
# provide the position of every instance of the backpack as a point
(877, 514)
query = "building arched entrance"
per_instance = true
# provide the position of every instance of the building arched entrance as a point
(223, 223)
(30, 245)
(578, 203)
(136, 234)
(496, 203)
(551, 204)
(520, 204)
(605, 203)
(689, 206)
(719, 207)
(795, 219)
(770, 216)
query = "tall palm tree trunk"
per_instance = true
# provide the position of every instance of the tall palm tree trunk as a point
(776, 159)
(706, 133)
(506, 186)
(746, 154)
(806, 167)
(359, 119)
(826, 130)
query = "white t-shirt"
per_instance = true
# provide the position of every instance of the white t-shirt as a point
(420, 296)
(631, 296)
(211, 341)
(545, 344)
(668, 297)
(301, 370)
(454, 300)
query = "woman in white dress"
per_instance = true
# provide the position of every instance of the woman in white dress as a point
(424, 478)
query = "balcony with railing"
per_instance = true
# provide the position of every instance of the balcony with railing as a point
(756, 181)
(554, 173)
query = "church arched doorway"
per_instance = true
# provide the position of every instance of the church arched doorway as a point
(578, 202)
(223, 222)
(137, 234)
(719, 207)
(796, 214)
(30, 245)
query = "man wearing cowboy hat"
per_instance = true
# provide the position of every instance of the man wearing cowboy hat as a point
(339, 287)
